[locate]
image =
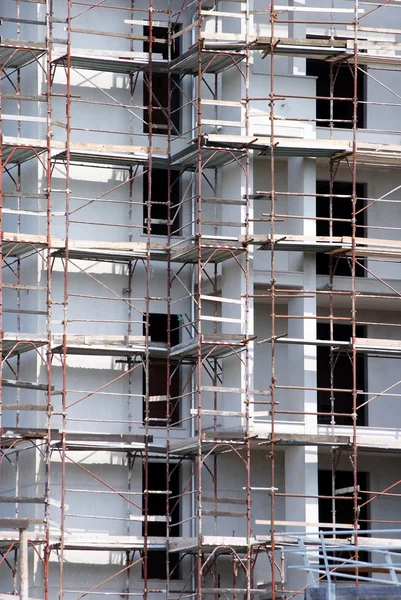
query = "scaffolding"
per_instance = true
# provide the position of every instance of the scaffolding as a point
(101, 399)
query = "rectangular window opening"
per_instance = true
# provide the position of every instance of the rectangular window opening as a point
(341, 209)
(344, 508)
(160, 85)
(159, 202)
(157, 506)
(159, 400)
(343, 110)
(342, 376)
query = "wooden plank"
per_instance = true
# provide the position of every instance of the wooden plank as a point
(232, 390)
(346, 240)
(317, 42)
(369, 47)
(381, 46)
(115, 148)
(259, 393)
(373, 542)
(235, 591)
(16, 523)
(301, 143)
(366, 253)
(123, 438)
(26, 213)
(231, 103)
(310, 439)
(14, 596)
(261, 238)
(221, 319)
(21, 286)
(225, 223)
(220, 123)
(346, 490)
(149, 518)
(29, 195)
(220, 13)
(223, 140)
(24, 337)
(218, 413)
(237, 37)
(104, 55)
(305, 524)
(27, 385)
(377, 343)
(220, 299)
(375, 242)
(89, 340)
(191, 543)
(25, 142)
(217, 389)
(222, 513)
(26, 407)
(158, 398)
(224, 500)
(146, 22)
(223, 337)
(78, 146)
(317, 9)
(125, 36)
(24, 238)
(101, 245)
(23, 97)
(10, 535)
(7, 117)
(111, 542)
(24, 433)
(22, 499)
(13, 43)
(373, 30)
(222, 201)
(181, 32)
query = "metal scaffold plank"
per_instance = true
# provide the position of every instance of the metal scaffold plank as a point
(110, 155)
(15, 54)
(19, 343)
(335, 245)
(17, 150)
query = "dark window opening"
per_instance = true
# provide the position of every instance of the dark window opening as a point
(342, 376)
(341, 209)
(160, 87)
(157, 505)
(344, 508)
(158, 397)
(343, 110)
(159, 202)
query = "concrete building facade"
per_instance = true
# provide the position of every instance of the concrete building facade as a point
(200, 290)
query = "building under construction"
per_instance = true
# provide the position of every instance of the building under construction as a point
(200, 299)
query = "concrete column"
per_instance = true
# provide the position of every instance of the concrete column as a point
(297, 66)
(234, 286)
(302, 179)
(23, 563)
(234, 185)
(251, 313)
(301, 463)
